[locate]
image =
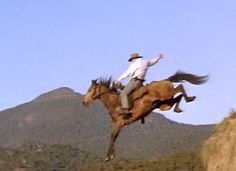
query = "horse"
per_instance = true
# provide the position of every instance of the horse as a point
(155, 95)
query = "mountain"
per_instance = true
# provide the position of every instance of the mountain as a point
(58, 117)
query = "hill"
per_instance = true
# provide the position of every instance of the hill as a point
(219, 152)
(58, 117)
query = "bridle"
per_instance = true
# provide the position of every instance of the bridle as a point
(98, 95)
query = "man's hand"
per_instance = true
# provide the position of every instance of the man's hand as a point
(119, 85)
(160, 56)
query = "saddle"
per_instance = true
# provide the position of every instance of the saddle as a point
(138, 93)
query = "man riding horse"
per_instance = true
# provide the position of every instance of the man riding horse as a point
(161, 95)
(137, 71)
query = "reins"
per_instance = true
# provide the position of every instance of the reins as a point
(99, 95)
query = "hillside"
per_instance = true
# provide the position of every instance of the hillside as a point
(56, 157)
(42, 157)
(58, 117)
(219, 152)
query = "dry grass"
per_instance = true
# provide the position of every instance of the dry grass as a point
(219, 152)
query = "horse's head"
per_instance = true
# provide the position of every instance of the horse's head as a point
(92, 94)
(98, 89)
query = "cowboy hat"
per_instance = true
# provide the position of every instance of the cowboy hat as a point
(134, 56)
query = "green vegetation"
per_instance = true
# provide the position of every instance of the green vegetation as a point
(45, 158)
(185, 161)
(66, 158)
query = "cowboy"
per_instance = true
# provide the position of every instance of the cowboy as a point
(137, 71)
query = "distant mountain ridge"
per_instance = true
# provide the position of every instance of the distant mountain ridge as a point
(57, 93)
(59, 117)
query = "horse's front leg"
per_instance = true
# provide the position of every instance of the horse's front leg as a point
(116, 130)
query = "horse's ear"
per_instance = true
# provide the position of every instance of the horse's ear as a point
(94, 81)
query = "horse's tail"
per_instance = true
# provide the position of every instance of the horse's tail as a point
(194, 79)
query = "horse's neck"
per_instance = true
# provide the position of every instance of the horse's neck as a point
(111, 101)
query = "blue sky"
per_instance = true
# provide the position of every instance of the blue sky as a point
(47, 44)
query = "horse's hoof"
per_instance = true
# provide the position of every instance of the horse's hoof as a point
(178, 110)
(109, 157)
(165, 107)
(191, 98)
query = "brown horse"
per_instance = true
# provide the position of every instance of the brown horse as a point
(157, 94)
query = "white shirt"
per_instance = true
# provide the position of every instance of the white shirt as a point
(138, 68)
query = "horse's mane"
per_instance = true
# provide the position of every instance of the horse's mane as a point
(108, 82)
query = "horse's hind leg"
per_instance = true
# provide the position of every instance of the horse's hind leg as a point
(177, 100)
(167, 105)
(180, 89)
